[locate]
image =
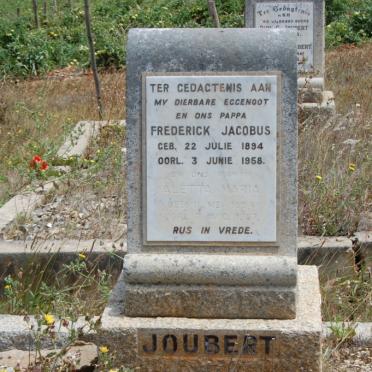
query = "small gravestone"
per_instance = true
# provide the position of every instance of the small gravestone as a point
(307, 18)
(211, 281)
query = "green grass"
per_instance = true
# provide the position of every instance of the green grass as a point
(42, 285)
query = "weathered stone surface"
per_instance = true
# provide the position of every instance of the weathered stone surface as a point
(16, 333)
(227, 52)
(21, 205)
(326, 108)
(78, 356)
(334, 256)
(279, 345)
(311, 82)
(168, 50)
(310, 96)
(314, 14)
(209, 301)
(81, 135)
(210, 270)
(185, 285)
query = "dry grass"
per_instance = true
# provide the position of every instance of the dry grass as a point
(349, 76)
(44, 284)
(334, 162)
(89, 203)
(35, 116)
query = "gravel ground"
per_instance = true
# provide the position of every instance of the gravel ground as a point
(350, 359)
(89, 203)
(84, 215)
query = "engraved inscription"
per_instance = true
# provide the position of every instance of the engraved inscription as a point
(210, 158)
(248, 346)
(293, 15)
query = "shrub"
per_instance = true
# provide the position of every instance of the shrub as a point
(350, 21)
(62, 38)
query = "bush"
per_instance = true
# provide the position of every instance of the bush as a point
(25, 51)
(62, 39)
(350, 21)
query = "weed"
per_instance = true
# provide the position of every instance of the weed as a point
(334, 161)
(78, 287)
(347, 299)
(39, 115)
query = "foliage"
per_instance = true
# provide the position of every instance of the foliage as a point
(39, 115)
(348, 21)
(346, 299)
(334, 161)
(61, 40)
(334, 174)
(37, 289)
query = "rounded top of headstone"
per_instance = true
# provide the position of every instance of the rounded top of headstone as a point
(211, 49)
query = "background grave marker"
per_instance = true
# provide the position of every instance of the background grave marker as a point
(307, 18)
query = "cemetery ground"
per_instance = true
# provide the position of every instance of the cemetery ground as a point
(87, 200)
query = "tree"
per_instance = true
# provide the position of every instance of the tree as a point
(45, 9)
(36, 14)
(93, 61)
(55, 7)
(213, 13)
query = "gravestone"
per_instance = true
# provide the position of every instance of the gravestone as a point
(211, 280)
(307, 18)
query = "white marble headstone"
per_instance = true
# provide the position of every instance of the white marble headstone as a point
(211, 158)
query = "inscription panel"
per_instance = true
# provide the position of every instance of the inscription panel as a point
(210, 150)
(210, 345)
(293, 15)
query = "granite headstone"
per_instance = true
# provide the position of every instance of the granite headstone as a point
(211, 277)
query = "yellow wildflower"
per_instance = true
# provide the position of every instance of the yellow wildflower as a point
(82, 256)
(319, 178)
(49, 319)
(114, 370)
(352, 167)
(103, 349)
(8, 286)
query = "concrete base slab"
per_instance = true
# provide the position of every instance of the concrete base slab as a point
(190, 344)
(326, 107)
(80, 137)
(22, 205)
(78, 356)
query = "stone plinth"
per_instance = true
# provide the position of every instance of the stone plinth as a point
(218, 344)
(181, 285)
